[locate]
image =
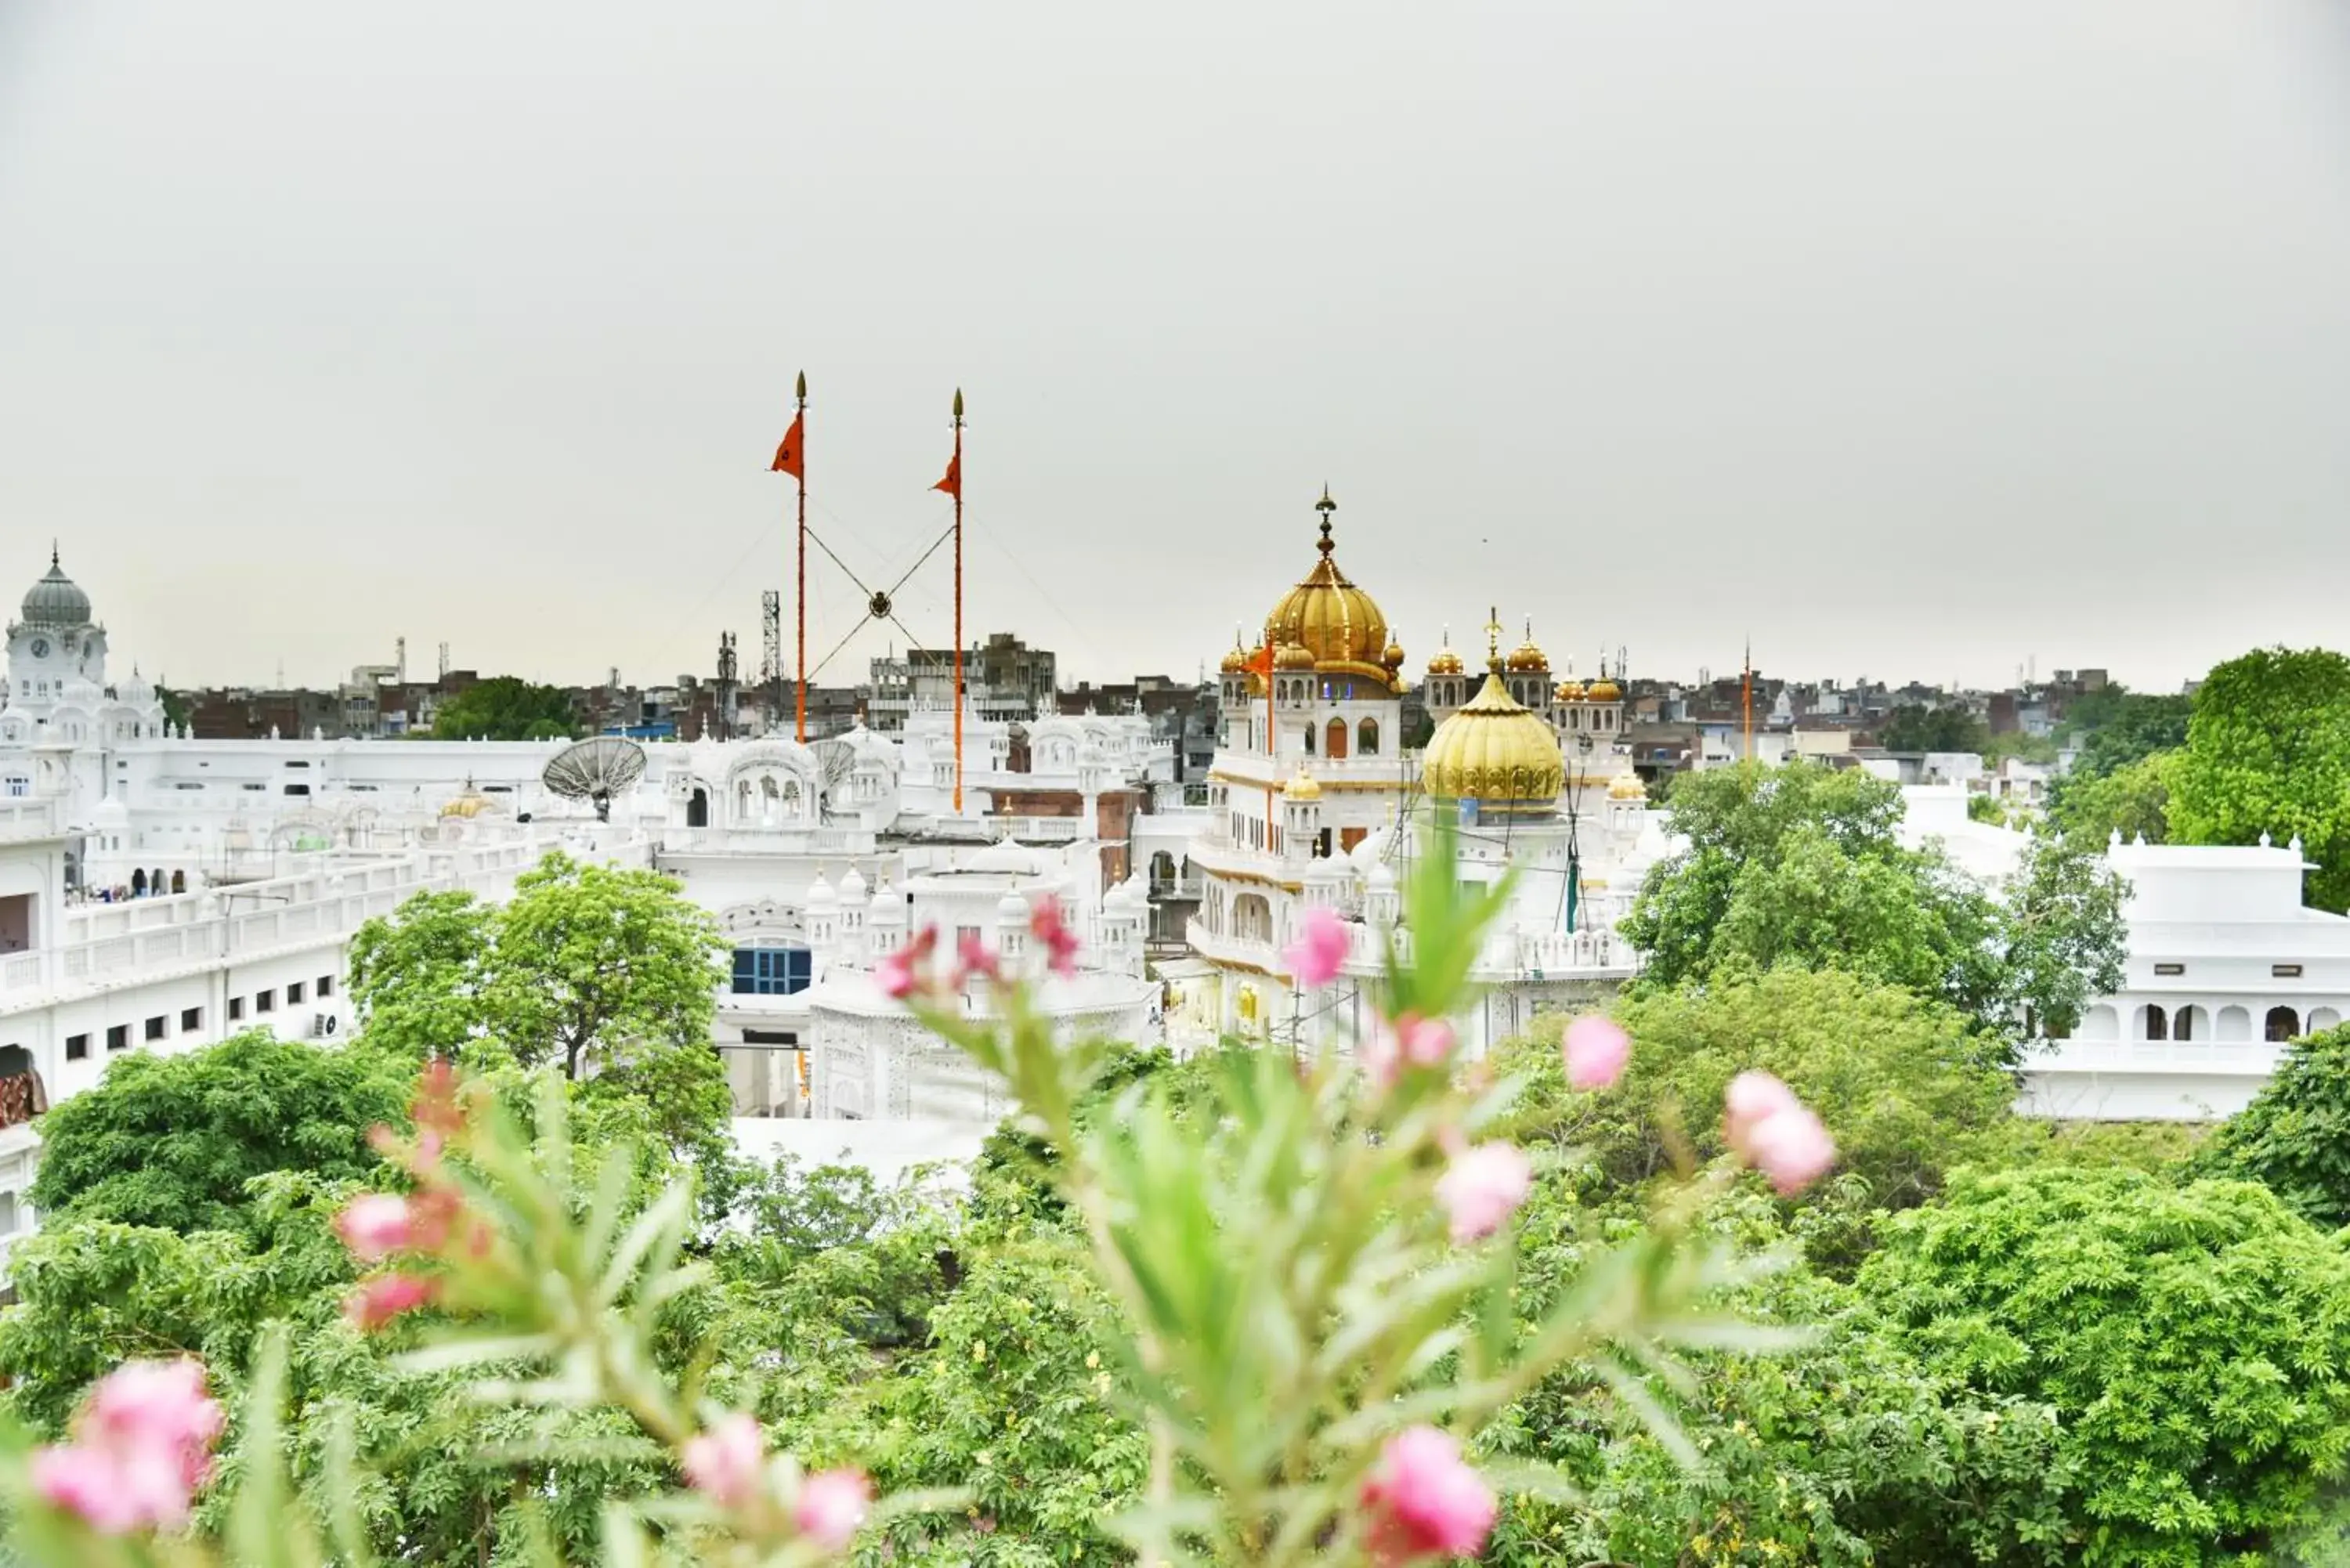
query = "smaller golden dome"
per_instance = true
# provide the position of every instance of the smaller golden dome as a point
(1446, 663)
(1605, 690)
(1528, 660)
(1393, 657)
(1496, 752)
(1303, 787)
(472, 803)
(1236, 661)
(1293, 656)
(1627, 786)
(1569, 691)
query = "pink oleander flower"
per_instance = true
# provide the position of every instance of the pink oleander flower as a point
(832, 1507)
(141, 1448)
(1320, 948)
(974, 959)
(379, 1300)
(1595, 1050)
(724, 1463)
(1423, 1500)
(900, 974)
(375, 1225)
(1411, 1041)
(1768, 1127)
(1483, 1187)
(1059, 942)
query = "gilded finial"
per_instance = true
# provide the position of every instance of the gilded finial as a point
(958, 411)
(1325, 506)
(801, 393)
(1494, 639)
(53, 554)
(1326, 503)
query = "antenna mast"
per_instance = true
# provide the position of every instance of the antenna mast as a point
(957, 471)
(799, 681)
(1746, 684)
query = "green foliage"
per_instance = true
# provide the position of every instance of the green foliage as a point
(2132, 799)
(1848, 1453)
(2268, 751)
(505, 708)
(1800, 866)
(170, 1142)
(1987, 808)
(2294, 1138)
(2190, 1339)
(587, 964)
(2129, 727)
(2026, 747)
(1902, 1084)
(1949, 728)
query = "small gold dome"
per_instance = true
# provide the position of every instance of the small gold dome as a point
(1340, 626)
(1302, 787)
(472, 803)
(1527, 659)
(1569, 691)
(1236, 661)
(1496, 752)
(1393, 656)
(1605, 690)
(1446, 663)
(1627, 786)
(1293, 657)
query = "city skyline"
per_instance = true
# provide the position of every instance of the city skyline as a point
(1913, 351)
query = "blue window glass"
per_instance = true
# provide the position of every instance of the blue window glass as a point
(771, 972)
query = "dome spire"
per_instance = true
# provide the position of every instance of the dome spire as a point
(1493, 639)
(1325, 506)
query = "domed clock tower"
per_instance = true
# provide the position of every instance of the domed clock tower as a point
(54, 646)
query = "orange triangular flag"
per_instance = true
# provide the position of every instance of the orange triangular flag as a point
(952, 482)
(790, 457)
(1261, 661)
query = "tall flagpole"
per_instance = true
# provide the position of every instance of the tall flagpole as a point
(1271, 746)
(1747, 700)
(958, 604)
(799, 683)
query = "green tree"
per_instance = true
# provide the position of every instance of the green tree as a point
(2062, 938)
(2294, 1138)
(1798, 865)
(2268, 751)
(170, 1142)
(1987, 808)
(1946, 727)
(2132, 799)
(609, 974)
(505, 708)
(2138, 726)
(2190, 1339)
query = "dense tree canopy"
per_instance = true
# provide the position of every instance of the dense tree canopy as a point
(609, 974)
(2190, 1339)
(2294, 1138)
(1799, 866)
(2132, 800)
(170, 1141)
(2268, 751)
(505, 708)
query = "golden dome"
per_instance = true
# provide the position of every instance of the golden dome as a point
(1446, 663)
(1627, 786)
(1605, 690)
(472, 803)
(1527, 659)
(1338, 624)
(1569, 691)
(1236, 661)
(1496, 752)
(1293, 657)
(1303, 787)
(1393, 656)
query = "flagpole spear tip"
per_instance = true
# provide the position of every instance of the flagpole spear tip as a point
(958, 404)
(802, 387)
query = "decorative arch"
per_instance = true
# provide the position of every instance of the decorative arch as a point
(2153, 1023)
(1252, 918)
(2235, 1025)
(2323, 1018)
(1334, 739)
(1366, 738)
(2282, 1023)
(2100, 1022)
(179, 881)
(2190, 1023)
(138, 883)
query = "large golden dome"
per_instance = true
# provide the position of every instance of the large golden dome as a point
(1334, 621)
(1446, 663)
(1496, 752)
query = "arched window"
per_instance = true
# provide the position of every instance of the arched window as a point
(2157, 1024)
(2190, 1023)
(2235, 1023)
(2283, 1024)
(179, 881)
(1366, 737)
(1334, 739)
(2322, 1018)
(1163, 872)
(697, 808)
(137, 884)
(1309, 740)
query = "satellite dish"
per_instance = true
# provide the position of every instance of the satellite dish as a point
(595, 771)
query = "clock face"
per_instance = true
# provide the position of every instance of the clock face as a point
(40, 648)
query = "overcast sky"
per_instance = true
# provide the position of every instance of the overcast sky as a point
(1911, 339)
